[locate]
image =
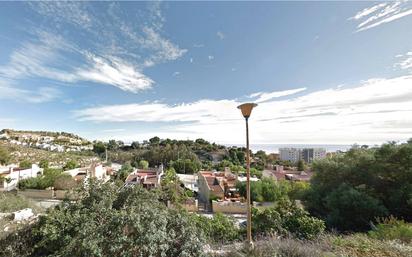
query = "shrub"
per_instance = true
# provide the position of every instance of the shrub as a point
(64, 182)
(25, 164)
(10, 202)
(109, 221)
(286, 218)
(392, 229)
(219, 229)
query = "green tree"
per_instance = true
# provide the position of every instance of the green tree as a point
(71, 164)
(131, 219)
(301, 165)
(124, 171)
(143, 164)
(99, 147)
(286, 218)
(219, 229)
(349, 190)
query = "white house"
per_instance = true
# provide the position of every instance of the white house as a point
(11, 176)
(94, 171)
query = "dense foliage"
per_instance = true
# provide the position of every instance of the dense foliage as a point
(269, 190)
(109, 221)
(285, 218)
(46, 180)
(351, 190)
(218, 229)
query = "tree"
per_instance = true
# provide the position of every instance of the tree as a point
(124, 171)
(219, 229)
(99, 147)
(64, 182)
(284, 218)
(4, 156)
(143, 164)
(131, 219)
(301, 165)
(154, 140)
(72, 164)
(135, 145)
(350, 189)
(25, 164)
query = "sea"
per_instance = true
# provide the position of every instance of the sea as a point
(274, 148)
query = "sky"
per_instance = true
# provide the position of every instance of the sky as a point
(321, 72)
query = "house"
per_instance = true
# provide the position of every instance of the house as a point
(292, 175)
(217, 185)
(10, 176)
(149, 178)
(190, 181)
(93, 171)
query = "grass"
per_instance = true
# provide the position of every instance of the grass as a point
(355, 245)
(10, 202)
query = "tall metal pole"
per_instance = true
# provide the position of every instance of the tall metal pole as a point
(249, 213)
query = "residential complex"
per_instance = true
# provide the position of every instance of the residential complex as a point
(307, 154)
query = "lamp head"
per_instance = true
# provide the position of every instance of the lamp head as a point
(246, 109)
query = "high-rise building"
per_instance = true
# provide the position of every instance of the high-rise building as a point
(307, 154)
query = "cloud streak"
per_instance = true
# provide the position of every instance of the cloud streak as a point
(338, 115)
(382, 13)
(112, 50)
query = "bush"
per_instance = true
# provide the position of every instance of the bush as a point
(350, 190)
(219, 229)
(109, 221)
(40, 182)
(286, 218)
(70, 165)
(64, 182)
(392, 229)
(10, 202)
(351, 209)
(25, 164)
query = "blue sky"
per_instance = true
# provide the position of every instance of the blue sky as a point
(321, 72)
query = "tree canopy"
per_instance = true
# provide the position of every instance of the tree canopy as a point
(353, 189)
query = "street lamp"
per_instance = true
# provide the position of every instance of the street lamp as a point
(246, 111)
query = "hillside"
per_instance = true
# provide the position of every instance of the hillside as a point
(56, 147)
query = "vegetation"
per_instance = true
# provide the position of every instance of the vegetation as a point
(269, 190)
(131, 219)
(286, 218)
(4, 156)
(392, 229)
(10, 202)
(351, 190)
(42, 181)
(217, 229)
(25, 164)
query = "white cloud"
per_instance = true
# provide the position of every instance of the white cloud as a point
(220, 35)
(406, 63)
(262, 97)
(176, 73)
(191, 60)
(336, 115)
(9, 91)
(116, 72)
(164, 49)
(210, 57)
(381, 13)
(118, 49)
(198, 45)
(71, 12)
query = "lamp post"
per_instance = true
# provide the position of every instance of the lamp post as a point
(246, 111)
